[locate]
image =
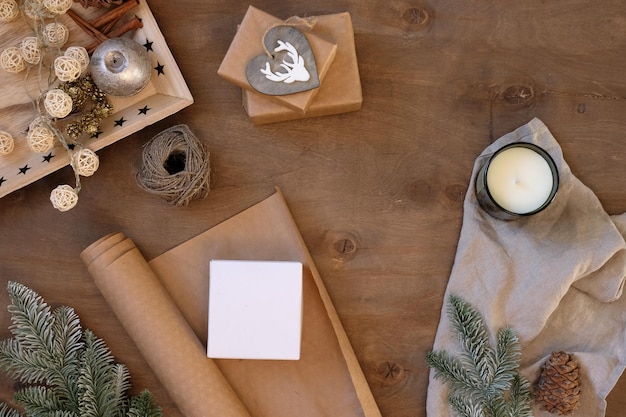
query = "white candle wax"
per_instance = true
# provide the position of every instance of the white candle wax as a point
(519, 180)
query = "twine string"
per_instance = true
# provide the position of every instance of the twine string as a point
(306, 23)
(175, 166)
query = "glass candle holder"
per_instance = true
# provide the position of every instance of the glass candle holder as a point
(518, 180)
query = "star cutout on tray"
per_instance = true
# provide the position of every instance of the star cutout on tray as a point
(159, 68)
(97, 134)
(24, 169)
(120, 121)
(48, 157)
(148, 45)
(144, 110)
(2, 180)
(71, 146)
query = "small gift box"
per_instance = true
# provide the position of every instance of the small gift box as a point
(340, 91)
(283, 62)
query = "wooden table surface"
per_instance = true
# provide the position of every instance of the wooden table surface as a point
(377, 194)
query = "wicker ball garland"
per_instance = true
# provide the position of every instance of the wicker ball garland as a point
(39, 121)
(35, 10)
(6, 143)
(40, 139)
(63, 198)
(80, 54)
(58, 103)
(30, 50)
(11, 60)
(85, 162)
(175, 166)
(9, 10)
(67, 68)
(55, 34)
(58, 6)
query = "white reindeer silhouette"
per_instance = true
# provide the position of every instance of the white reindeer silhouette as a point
(295, 70)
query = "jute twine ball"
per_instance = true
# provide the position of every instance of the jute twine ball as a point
(55, 34)
(11, 60)
(58, 6)
(58, 103)
(6, 143)
(85, 162)
(40, 139)
(64, 198)
(80, 54)
(67, 68)
(175, 166)
(30, 50)
(9, 10)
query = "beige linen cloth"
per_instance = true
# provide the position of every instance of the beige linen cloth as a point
(556, 278)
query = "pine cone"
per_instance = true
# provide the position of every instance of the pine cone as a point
(558, 388)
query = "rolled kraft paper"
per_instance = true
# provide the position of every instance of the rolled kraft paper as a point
(152, 320)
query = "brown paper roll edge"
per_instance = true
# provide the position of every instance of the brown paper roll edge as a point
(159, 330)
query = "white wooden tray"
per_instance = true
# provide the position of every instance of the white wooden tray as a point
(166, 94)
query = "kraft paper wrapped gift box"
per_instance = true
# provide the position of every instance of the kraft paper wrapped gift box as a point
(248, 44)
(255, 309)
(340, 92)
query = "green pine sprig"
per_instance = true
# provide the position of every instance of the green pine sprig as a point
(484, 381)
(66, 372)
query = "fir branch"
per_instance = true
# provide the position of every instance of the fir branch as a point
(96, 378)
(451, 370)
(468, 324)
(466, 406)
(22, 364)
(31, 318)
(69, 373)
(484, 382)
(6, 411)
(67, 344)
(144, 405)
(521, 397)
(38, 400)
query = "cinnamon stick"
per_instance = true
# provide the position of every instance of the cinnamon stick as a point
(132, 24)
(87, 27)
(115, 14)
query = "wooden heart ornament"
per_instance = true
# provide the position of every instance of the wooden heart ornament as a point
(288, 68)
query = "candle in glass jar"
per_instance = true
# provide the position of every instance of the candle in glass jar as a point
(519, 180)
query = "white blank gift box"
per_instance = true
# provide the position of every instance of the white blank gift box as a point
(255, 310)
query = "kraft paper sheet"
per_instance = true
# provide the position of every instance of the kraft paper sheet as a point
(556, 278)
(163, 307)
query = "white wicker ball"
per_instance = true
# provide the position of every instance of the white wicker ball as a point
(64, 198)
(85, 162)
(6, 143)
(39, 121)
(40, 139)
(80, 54)
(35, 10)
(30, 50)
(11, 60)
(55, 34)
(58, 6)
(9, 10)
(67, 68)
(58, 103)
